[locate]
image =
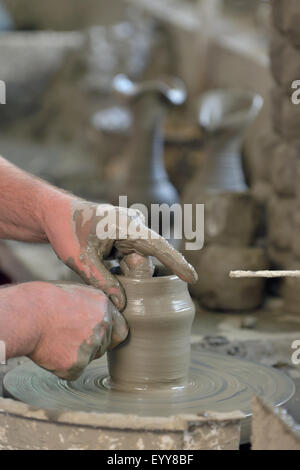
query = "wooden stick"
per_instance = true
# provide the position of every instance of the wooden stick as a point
(267, 274)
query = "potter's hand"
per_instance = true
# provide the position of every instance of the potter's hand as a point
(83, 234)
(80, 324)
(34, 211)
(61, 327)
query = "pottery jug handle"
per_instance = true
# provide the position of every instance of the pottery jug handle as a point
(172, 90)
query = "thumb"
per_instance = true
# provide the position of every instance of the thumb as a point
(97, 275)
(119, 327)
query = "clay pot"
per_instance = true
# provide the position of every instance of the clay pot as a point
(231, 218)
(232, 215)
(215, 290)
(280, 215)
(286, 16)
(280, 258)
(224, 116)
(183, 147)
(285, 114)
(145, 180)
(291, 295)
(283, 52)
(283, 171)
(156, 355)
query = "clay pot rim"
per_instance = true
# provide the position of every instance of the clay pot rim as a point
(151, 280)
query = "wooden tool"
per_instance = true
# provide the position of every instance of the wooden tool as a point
(267, 274)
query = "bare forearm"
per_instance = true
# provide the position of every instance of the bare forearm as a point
(22, 204)
(61, 327)
(20, 327)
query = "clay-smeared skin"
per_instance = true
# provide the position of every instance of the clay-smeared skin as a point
(32, 210)
(61, 327)
(137, 267)
(59, 330)
(76, 243)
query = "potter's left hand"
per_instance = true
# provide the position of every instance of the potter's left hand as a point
(83, 234)
(60, 326)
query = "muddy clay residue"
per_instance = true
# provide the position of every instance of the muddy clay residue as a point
(153, 373)
(136, 266)
(215, 383)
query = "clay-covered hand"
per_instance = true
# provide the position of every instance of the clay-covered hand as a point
(78, 324)
(83, 234)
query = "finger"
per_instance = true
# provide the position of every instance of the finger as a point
(98, 276)
(153, 244)
(74, 372)
(137, 215)
(119, 328)
(137, 266)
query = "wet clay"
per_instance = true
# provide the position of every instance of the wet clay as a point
(153, 373)
(216, 383)
(137, 266)
(156, 354)
(98, 231)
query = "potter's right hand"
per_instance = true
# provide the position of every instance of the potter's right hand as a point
(61, 327)
(31, 210)
(83, 234)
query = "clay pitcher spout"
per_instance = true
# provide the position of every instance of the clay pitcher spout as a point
(156, 354)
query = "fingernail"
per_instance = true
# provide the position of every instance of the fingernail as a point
(194, 275)
(116, 301)
(120, 330)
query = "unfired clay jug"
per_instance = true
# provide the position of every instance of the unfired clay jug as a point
(145, 180)
(156, 354)
(224, 115)
(232, 215)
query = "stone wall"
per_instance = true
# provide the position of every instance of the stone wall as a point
(281, 151)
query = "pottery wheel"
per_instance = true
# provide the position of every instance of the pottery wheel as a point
(216, 383)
